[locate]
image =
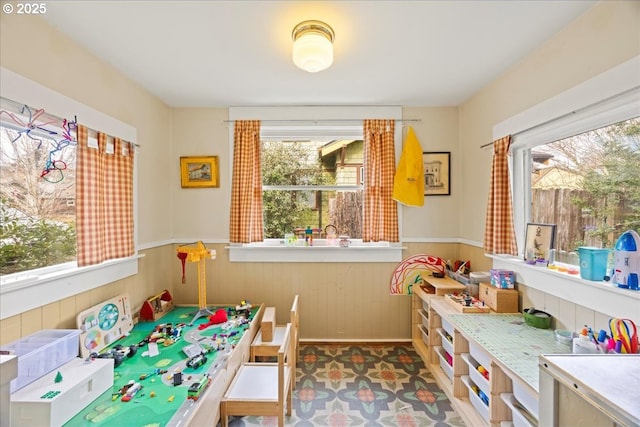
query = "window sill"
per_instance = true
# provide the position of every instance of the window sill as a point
(275, 251)
(601, 296)
(35, 290)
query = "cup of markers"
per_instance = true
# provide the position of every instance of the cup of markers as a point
(621, 339)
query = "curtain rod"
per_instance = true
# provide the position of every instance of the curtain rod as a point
(17, 108)
(570, 113)
(315, 121)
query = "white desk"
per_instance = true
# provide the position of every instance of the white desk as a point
(608, 383)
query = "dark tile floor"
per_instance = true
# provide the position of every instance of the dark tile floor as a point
(373, 385)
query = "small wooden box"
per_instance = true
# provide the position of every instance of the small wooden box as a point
(268, 324)
(500, 300)
(459, 304)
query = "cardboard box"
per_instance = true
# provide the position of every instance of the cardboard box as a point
(268, 325)
(505, 279)
(499, 300)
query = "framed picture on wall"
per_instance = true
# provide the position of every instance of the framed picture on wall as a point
(539, 239)
(199, 172)
(437, 173)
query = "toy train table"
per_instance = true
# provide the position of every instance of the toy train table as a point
(168, 373)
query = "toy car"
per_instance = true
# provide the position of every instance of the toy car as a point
(197, 361)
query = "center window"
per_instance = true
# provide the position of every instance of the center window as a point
(312, 183)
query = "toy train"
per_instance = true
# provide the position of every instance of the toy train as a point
(196, 389)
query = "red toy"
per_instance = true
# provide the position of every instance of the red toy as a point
(220, 316)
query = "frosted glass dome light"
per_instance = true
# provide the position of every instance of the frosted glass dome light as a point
(313, 46)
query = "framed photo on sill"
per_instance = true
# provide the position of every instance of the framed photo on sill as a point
(199, 172)
(437, 173)
(539, 239)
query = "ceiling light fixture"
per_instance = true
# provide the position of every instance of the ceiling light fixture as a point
(313, 46)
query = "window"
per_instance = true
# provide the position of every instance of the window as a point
(315, 189)
(38, 287)
(313, 183)
(579, 170)
(609, 98)
(37, 191)
(588, 185)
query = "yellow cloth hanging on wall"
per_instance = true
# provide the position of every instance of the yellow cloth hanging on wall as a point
(408, 183)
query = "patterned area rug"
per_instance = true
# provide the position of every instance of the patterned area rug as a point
(348, 385)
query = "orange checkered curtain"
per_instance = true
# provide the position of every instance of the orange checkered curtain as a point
(104, 199)
(246, 224)
(380, 210)
(499, 234)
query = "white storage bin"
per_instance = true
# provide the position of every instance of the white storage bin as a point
(481, 356)
(424, 315)
(446, 344)
(482, 409)
(518, 419)
(526, 396)
(425, 334)
(425, 306)
(42, 352)
(476, 376)
(447, 326)
(448, 369)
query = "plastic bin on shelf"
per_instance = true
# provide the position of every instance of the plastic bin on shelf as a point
(446, 344)
(425, 306)
(479, 355)
(525, 396)
(447, 326)
(475, 375)
(42, 352)
(425, 318)
(425, 334)
(480, 406)
(448, 369)
(518, 419)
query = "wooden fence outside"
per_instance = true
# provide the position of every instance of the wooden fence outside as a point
(554, 206)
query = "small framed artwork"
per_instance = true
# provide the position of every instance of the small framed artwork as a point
(539, 239)
(199, 172)
(437, 173)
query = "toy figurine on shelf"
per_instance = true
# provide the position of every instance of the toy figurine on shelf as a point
(244, 308)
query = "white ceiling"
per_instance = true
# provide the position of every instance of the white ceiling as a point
(223, 53)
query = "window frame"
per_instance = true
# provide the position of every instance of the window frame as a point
(610, 110)
(292, 122)
(20, 292)
(607, 98)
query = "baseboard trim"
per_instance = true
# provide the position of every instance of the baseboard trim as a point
(354, 342)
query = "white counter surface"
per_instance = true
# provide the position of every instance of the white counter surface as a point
(613, 381)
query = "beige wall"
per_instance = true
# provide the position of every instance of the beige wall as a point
(30, 47)
(201, 213)
(154, 275)
(603, 37)
(437, 130)
(338, 301)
